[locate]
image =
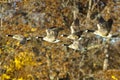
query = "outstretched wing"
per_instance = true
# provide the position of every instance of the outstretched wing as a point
(75, 26)
(109, 24)
(54, 31)
(102, 24)
(47, 31)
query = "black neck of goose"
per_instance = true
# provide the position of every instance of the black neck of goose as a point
(64, 35)
(39, 38)
(110, 22)
(66, 45)
(90, 30)
(9, 35)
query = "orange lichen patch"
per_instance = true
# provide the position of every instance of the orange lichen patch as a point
(20, 62)
(33, 29)
(0, 51)
(112, 75)
(108, 75)
(66, 11)
(5, 76)
(24, 2)
(18, 29)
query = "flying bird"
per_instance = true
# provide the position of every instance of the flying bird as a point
(75, 32)
(20, 38)
(51, 35)
(104, 27)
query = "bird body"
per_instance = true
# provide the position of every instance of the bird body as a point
(51, 39)
(51, 35)
(20, 38)
(75, 45)
(75, 30)
(73, 36)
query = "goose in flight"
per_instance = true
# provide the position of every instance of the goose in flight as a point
(75, 32)
(20, 38)
(51, 35)
(104, 27)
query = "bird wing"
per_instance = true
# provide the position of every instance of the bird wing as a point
(109, 24)
(75, 26)
(47, 32)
